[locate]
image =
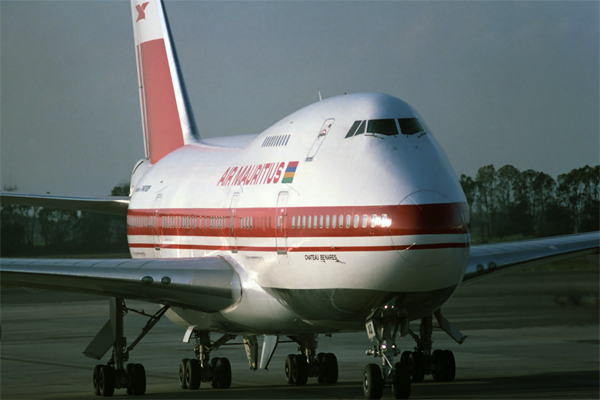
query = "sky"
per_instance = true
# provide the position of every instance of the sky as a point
(498, 82)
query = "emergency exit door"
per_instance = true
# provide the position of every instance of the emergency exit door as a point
(280, 223)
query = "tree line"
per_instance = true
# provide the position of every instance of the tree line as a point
(507, 203)
(36, 231)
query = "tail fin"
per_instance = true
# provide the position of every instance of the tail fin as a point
(167, 116)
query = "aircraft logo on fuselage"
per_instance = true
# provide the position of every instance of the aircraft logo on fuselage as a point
(260, 174)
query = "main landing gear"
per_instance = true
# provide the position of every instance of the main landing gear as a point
(440, 364)
(309, 363)
(192, 372)
(116, 374)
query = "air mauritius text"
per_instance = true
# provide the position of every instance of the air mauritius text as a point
(252, 174)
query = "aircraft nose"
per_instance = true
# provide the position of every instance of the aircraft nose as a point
(432, 238)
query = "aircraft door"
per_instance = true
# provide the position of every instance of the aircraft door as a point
(320, 138)
(280, 223)
(232, 215)
(157, 226)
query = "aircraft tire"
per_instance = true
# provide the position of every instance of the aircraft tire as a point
(449, 366)
(438, 374)
(222, 375)
(373, 382)
(182, 367)
(137, 379)
(193, 373)
(401, 381)
(106, 381)
(321, 374)
(213, 367)
(300, 369)
(416, 366)
(96, 379)
(289, 366)
(330, 368)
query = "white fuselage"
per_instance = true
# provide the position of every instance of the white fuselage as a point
(320, 227)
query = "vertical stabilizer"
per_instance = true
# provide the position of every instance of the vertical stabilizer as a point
(167, 117)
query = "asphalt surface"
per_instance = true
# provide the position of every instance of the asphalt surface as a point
(531, 335)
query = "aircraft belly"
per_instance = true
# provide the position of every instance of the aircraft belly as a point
(309, 311)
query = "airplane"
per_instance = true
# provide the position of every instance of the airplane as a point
(344, 216)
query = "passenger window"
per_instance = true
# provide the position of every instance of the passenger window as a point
(293, 222)
(315, 222)
(364, 221)
(384, 221)
(348, 219)
(373, 220)
(309, 220)
(356, 218)
(327, 221)
(320, 221)
(333, 221)
(383, 127)
(304, 222)
(250, 222)
(410, 126)
(341, 221)
(278, 222)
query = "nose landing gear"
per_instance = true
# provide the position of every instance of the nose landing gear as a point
(383, 326)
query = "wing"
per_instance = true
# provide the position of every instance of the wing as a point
(494, 259)
(114, 205)
(206, 284)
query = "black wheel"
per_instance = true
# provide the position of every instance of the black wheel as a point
(300, 369)
(289, 368)
(213, 368)
(96, 379)
(405, 356)
(319, 360)
(137, 379)
(330, 368)
(193, 373)
(373, 382)
(401, 381)
(223, 373)
(438, 373)
(416, 366)
(448, 366)
(106, 381)
(182, 367)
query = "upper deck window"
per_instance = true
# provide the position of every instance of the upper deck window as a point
(383, 127)
(410, 126)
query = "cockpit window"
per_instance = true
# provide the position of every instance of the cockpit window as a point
(357, 128)
(352, 130)
(410, 126)
(382, 127)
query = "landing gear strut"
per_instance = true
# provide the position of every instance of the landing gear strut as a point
(440, 364)
(309, 364)
(192, 372)
(383, 326)
(116, 374)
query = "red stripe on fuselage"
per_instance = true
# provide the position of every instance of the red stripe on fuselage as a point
(426, 219)
(326, 249)
(164, 126)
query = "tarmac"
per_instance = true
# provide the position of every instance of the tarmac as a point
(530, 335)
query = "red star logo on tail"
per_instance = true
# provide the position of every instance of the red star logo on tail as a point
(140, 9)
